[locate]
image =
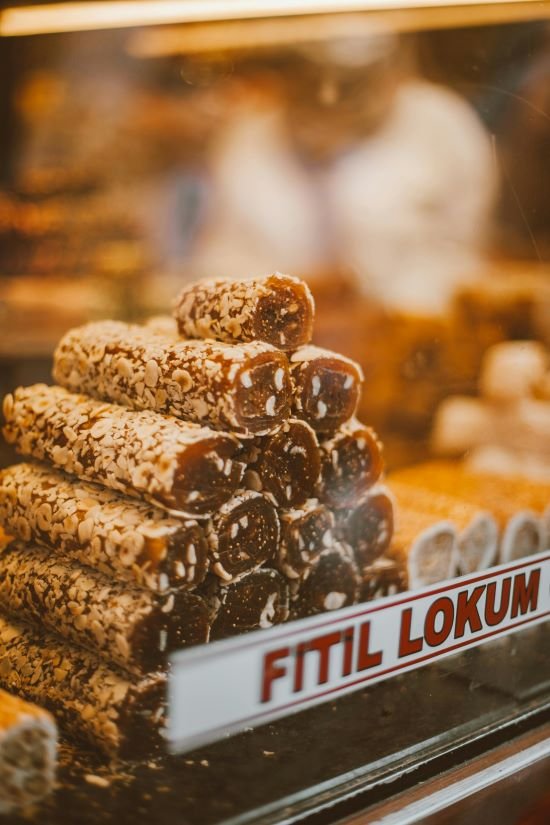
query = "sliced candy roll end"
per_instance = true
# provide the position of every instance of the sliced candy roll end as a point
(351, 462)
(242, 535)
(284, 316)
(258, 601)
(327, 387)
(368, 527)
(263, 392)
(305, 532)
(286, 464)
(332, 583)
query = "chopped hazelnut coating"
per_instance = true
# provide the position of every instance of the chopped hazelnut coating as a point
(326, 387)
(333, 582)
(176, 464)
(28, 744)
(277, 308)
(242, 535)
(124, 624)
(385, 577)
(285, 465)
(119, 536)
(257, 601)
(351, 462)
(368, 527)
(91, 700)
(305, 532)
(244, 388)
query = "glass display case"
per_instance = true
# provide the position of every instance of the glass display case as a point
(394, 157)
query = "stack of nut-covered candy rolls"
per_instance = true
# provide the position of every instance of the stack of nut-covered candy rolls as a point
(182, 482)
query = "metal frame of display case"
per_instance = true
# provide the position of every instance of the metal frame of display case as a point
(478, 782)
(468, 756)
(448, 772)
(18, 19)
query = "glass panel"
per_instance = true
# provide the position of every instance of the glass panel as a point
(400, 167)
(372, 743)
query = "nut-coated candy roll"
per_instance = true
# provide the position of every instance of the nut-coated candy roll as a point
(277, 308)
(477, 542)
(285, 465)
(257, 601)
(305, 532)
(242, 535)
(385, 577)
(124, 624)
(368, 527)
(179, 465)
(122, 537)
(28, 745)
(94, 702)
(425, 546)
(351, 462)
(332, 583)
(326, 387)
(244, 388)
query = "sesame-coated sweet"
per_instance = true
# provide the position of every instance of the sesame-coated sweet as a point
(124, 538)
(276, 308)
(179, 465)
(351, 462)
(126, 625)
(284, 465)
(517, 506)
(28, 744)
(326, 387)
(244, 388)
(92, 701)
(425, 546)
(305, 532)
(368, 526)
(258, 601)
(333, 582)
(242, 534)
(478, 532)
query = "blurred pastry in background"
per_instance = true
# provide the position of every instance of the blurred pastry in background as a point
(506, 429)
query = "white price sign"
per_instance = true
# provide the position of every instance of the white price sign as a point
(227, 686)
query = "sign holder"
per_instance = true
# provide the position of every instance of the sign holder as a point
(223, 688)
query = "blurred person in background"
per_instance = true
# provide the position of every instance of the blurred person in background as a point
(340, 160)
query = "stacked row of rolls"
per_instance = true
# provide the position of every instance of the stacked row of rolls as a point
(184, 480)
